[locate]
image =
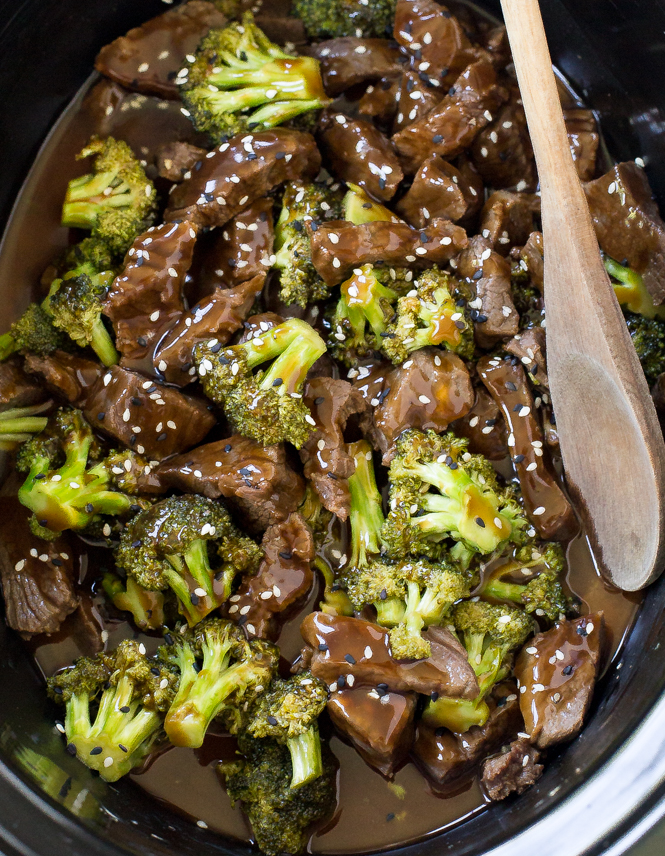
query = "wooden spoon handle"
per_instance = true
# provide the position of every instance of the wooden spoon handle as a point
(611, 441)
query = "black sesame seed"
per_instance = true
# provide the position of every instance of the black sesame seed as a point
(390, 816)
(126, 708)
(332, 476)
(64, 790)
(122, 748)
(350, 659)
(567, 670)
(208, 197)
(383, 594)
(452, 90)
(228, 447)
(286, 554)
(481, 319)
(511, 386)
(198, 165)
(323, 647)
(319, 400)
(280, 155)
(142, 341)
(137, 543)
(57, 690)
(437, 138)
(367, 204)
(161, 437)
(272, 720)
(134, 508)
(101, 416)
(480, 522)
(517, 407)
(155, 671)
(89, 507)
(71, 749)
(297, 225)
(132, 440)
(454, 465)
(194, 599)
(139, 261)
(518, 459)
(43, 522)
(501, 701)
(581, 631)
(460, 325)
(434, 695)
(252, 156)
(137, 402)
(478, 274)
(57, 562)
(382, 687)
(40, 476)
(341, 682)
(168, 639)
(96, 751)
(278, 381)
(231, 263)
(382, 183)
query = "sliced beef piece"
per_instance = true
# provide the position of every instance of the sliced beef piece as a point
(433, 38)
(450, 759)
(65, 375)
(494, 313)
(338, 246)
(502, 151)
(628, 225)
(379, 103)
(508, 219)
(265, 601)
(37, 576)
(380, 727)
(359, 153)
(495, 42)
(532, 254)
(584, 139)
(168, 421)
(147, 296)
(416, 96)
(484, 427)
(147, 57)
(217, 316)
(347, 61)
(242, 249)
(18, 389)
(453, 124)
(556, 672)
(239, 173)
(439, 189)
(325, 456)
(281, 30)
(545, 502)
(428, 391)
(529, 348)
(174, 160)
(350, 651)
(256, 479)
(512, 772)
(85, 626)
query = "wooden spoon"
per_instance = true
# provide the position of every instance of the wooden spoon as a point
(611, 442)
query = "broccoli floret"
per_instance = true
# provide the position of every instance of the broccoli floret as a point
(146, 607)
(19, 424)
(90, 256)
(431, 314)
(299, 281)
(131, 694)
(542, 592)
(631, 291)
(239, 81)
(116, 202)
(438, 491)
(33, 333)
(266, 405)
(490, 635)
(280, 815)
(288, 712)
(221, 675)
(74, 494)
(648, 335)
(324, 20)
(168, 546)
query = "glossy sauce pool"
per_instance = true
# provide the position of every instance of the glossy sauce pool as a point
(372, 812)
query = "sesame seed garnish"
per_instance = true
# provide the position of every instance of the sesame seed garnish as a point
(538, 511)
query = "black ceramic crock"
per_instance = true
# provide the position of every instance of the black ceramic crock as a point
(604, 790)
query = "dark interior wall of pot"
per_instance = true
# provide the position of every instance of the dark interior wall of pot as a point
(613, 54)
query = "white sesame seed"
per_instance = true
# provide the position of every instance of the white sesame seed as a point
(368, 652)
(531, 467)
(202, 824)
(589, 627)
(108, 762)
(333, 687)
(423, 399)
(245, 609)
(309, 419)
(143, 67)
(446, 241)
(537, 688)
(538, 511)
(524, 410)
(276, 591)
(233, 609)
(532, 650)
(19, 565)
(142, 649)
(350, 680)
(266, 595)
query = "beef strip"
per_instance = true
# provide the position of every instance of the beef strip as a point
(347, 61)
(173, 160)
(583, 138)
(428, 391)
(452, 125)
(545, 502)
(434, 39)
(449, 759)
(502, 151)
(494, 313)
(381, 243)
(628, 225)
(18, 389)
(66, 375)
(359, 153)
(242, 249)
(350, 651)
(147, 296)
(439, 190)
(256, 479)
(484, 427)
(147, 57)
(512, 771)
(168, 420)
(379, 102)
(85, 627)
(529, 347)
(379, 727)
(217, 316)
(532, 256)
(264, 601)
(495, 42)
(285, 31)
(37, 576)
(557, 671)
(416, 96)
(237, 173)
(508, 219)
(325, 456)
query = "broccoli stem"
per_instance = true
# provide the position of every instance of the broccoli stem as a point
(306, 759)
(390, 612)
(366, 516)
(456, 714)
(288, 372)
(146, 607)
(19, 424)
(90, 194)
(7, 346)
(193, 605)
(413, 620)
(102, 344)
(504, 591)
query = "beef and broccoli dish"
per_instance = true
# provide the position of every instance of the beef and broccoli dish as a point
(283, 470)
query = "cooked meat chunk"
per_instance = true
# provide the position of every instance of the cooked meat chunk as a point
(173, 160)
(532, 256)
(256, 479)
(448, 759)
(529, 348)
(242, 249)
(234, 177)
(37, 576)
(348, 61)
(168, 421)
(439, 190)
(545, 502)
(484, 427)
(508, 219)
(511, 772)
(379, 726)
(359, 153)
(147, 57)
(147, 296)
(381, 242)
(431, 35)
(325, 456)
(416, 96)
(18, 389)
(379, 102)
(628, 225)
(502, 151)
(557, 671)
(278, 28)
(494, 313)
(217, 316)
(65, 375)
(346, 648)
(264, 601)
(495, 42)
(452, 125)
(257, 324)
(583, 138)
(85, 626)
